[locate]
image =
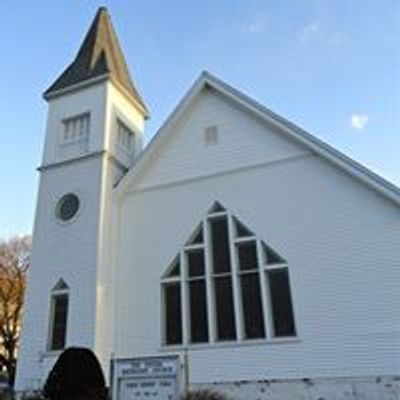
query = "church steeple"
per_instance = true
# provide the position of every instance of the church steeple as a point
(100, 56)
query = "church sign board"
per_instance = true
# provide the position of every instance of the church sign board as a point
(147, 378)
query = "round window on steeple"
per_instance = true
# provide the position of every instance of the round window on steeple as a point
(67, 207)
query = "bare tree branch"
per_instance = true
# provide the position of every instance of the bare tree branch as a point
(14, 263)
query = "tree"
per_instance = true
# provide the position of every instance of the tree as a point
(14, 263)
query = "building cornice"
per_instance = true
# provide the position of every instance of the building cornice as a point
(74, 88)
(95, 81)
(45, 167)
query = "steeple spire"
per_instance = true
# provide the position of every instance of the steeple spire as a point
(99, 56)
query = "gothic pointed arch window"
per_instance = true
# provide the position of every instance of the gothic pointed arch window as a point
(59, 303)
(226, 284)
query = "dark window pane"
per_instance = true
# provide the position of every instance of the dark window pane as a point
(271, 257)
(198, 312)
(61, 285)
(224, 308)
(217, 207)
(241, 230)
(282, 311)
(59, 328)
(196, 262)
(173, 314)
(197, 237)
(220, 245)
(252, 306)
(247, 254)
(67, 207)
(175, 270)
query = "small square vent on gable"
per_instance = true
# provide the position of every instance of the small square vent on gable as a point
(211, 135)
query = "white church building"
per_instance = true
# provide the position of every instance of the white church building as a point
(263, 257)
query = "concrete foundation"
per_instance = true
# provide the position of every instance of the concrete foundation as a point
(377, 388)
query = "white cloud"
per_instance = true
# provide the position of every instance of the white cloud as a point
(255, 26)
(359, 121)
(316, 32)
(310, 30)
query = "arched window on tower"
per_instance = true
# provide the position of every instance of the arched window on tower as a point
(58, 316)
(226, 284)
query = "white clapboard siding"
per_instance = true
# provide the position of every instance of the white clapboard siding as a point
(339, 237)
(240, 142)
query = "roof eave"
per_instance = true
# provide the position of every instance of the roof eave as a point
(52, 94)
(138, 104)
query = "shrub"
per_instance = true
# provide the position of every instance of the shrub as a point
(36, 395)
(205, 395)
(77, 375)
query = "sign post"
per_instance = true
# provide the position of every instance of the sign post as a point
(147, 378)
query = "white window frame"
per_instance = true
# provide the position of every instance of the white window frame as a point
(72, 133)
(61, 289)
(124, 131)
(262, 268)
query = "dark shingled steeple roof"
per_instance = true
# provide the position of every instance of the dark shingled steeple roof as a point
(99, 55)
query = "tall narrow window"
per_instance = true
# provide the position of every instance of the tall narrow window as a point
(197, 295)
(282, 311)
(222, 274)
(173, 305)
(125, 137)
(250, 290)
(277, 274)
(231, 286)
(173, 313)
(220, 245)
(225, 313)
(59, 316)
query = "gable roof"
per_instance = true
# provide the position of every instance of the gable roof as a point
(292, 131)
(100, 55)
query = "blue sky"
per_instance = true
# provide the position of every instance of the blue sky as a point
(331, 66)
